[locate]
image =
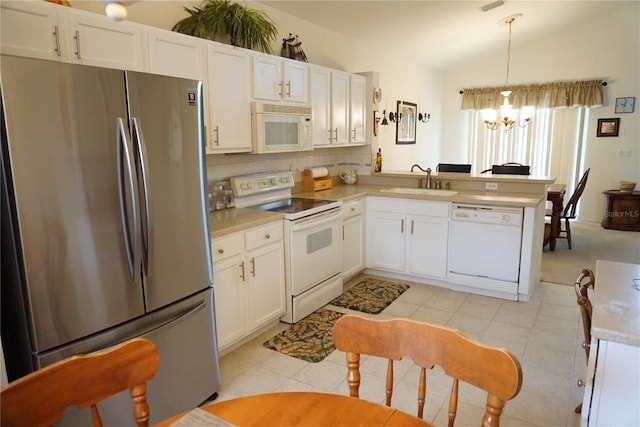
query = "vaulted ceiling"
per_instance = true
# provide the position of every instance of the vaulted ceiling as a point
(443, 34)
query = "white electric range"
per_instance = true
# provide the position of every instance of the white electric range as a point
(312, 239)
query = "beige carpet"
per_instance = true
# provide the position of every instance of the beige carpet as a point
(590, 242)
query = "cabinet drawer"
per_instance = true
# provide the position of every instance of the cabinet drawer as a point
(225, 247)
(263, 235)
(352, 208)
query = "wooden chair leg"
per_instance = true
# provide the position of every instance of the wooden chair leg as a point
(578, 409)
(568, 227)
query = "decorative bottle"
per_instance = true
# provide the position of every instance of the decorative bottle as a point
(378, 164)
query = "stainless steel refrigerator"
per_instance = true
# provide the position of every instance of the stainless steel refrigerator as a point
(105, 225)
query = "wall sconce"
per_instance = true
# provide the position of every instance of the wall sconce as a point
(383, 121)
(395, 117)
(424, 117)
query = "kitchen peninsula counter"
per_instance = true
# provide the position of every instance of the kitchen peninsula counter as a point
(346, 192)
(616, 304)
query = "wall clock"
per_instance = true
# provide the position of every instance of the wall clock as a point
(625, 105)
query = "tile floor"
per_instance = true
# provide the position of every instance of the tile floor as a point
(544, 333)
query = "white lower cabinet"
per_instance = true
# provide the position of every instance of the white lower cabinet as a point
(407, 236)
(612, 388)
(353, 237)
(248, 281)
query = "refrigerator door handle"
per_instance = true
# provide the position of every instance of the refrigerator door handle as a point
(128, 195)
(180, 317)
(147, 229)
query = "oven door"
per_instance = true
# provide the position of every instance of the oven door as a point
(315, 250)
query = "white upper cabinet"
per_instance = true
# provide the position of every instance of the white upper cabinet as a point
(357, 110)
(33, 29)
(330, 102)
(96, 40)
(320, 86)
(279, 79)
(228, 87)
(175, 54)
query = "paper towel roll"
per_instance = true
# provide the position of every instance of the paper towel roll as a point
(319, 172)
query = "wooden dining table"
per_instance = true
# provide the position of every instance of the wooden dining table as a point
(555, 194)
(296, 409)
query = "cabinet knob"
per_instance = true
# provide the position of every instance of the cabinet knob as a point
(581, 383)
(220, 251)
(267, 236)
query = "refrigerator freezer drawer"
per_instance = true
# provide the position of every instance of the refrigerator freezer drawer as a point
(188, 373)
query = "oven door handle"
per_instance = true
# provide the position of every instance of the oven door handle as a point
(315, 220)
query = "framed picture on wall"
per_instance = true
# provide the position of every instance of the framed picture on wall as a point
(608, 127)
(406, 113)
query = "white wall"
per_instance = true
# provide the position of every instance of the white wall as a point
(607, 48)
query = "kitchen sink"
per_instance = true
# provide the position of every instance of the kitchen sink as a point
(423, 191)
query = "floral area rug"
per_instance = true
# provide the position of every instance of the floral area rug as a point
(370, 296)
(310, 339)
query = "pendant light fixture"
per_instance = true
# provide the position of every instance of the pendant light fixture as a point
(508, 115)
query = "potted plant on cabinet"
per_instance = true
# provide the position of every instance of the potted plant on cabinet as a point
(229, 22)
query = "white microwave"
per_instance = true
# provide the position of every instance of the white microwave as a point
(281, 128)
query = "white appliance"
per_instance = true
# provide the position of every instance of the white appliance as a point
(313, 239)
(484, 248)
(280, 128)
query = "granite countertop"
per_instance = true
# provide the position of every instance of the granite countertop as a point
(616, 303)
(237, 219)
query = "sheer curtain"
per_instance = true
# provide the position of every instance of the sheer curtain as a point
(552, 144)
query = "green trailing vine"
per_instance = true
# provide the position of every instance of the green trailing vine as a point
(229, 22)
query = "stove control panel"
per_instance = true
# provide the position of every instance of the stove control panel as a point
(260, 183)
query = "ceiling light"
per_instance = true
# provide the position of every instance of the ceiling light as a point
(117, 10)
(508, 115)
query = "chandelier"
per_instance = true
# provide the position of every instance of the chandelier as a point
(509, 117)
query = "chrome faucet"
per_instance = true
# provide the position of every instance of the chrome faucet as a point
(428, 184)
(417, 166)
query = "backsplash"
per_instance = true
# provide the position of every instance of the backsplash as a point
(224, 166)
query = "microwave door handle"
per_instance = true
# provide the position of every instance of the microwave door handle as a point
(128, 199)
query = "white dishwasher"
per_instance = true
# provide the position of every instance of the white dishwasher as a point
(484, 248)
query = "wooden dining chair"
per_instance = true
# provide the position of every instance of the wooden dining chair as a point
(41, 397)
(509, 168)
(496, 371)
(569, 211)
(585, 280)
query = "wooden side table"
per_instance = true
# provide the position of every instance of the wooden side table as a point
(621, 210)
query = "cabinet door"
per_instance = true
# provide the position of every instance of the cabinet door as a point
(175, 54)
(321, 105)
(229, 101)
(228, 292)
(353, 246)
(267, 77)
(265, 273)
(427, 241)
(295, 82)
(95, 40)
(340, 107)
(33, 29)
(386, 241)
(357, 111)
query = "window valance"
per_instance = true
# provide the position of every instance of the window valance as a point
(587, 93)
